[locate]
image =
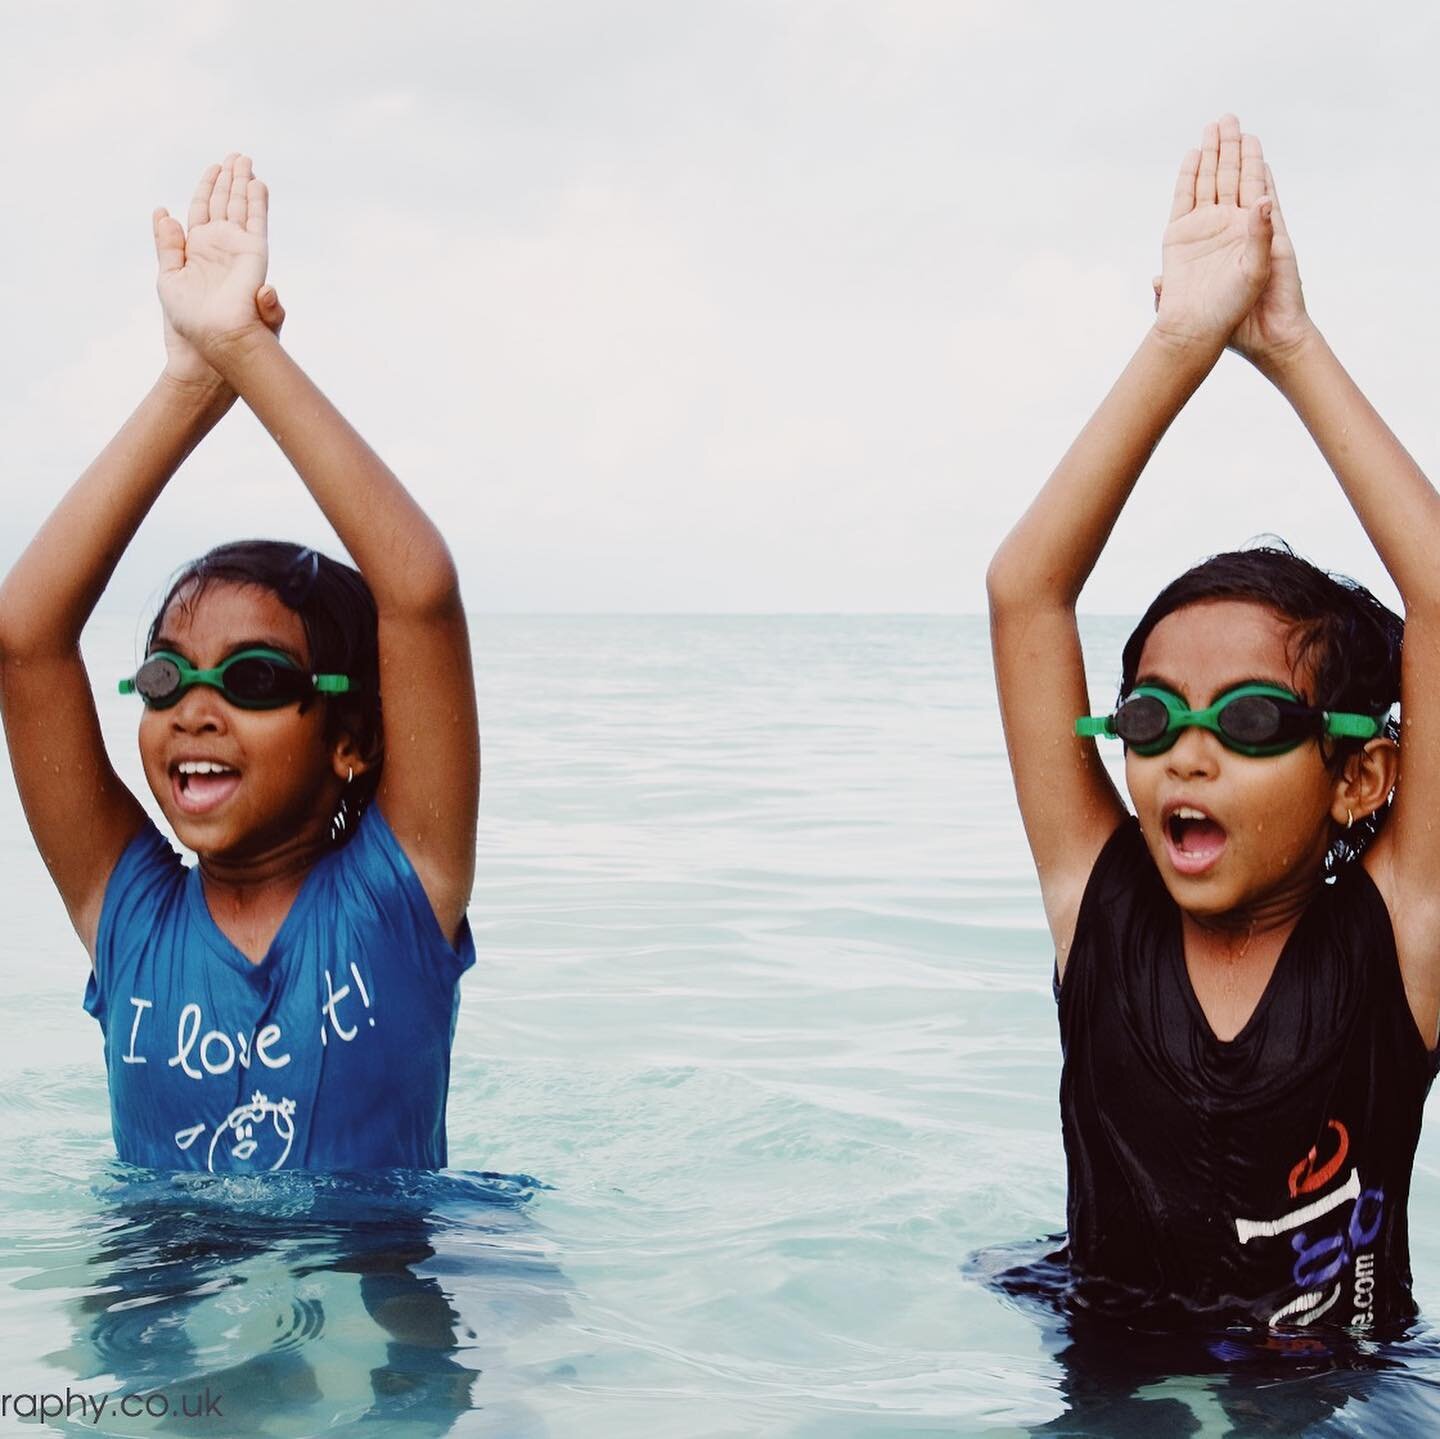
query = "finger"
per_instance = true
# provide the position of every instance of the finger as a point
(1252, 170)
(1276, 215)
(235, 209)
(1184, 199)
(200, 200)
(1227, 174)
(271, 310)
(220, 190)
(258, 203)
(169, 241)
(1209, 164)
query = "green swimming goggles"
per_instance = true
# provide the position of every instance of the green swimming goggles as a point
(253, 679)
(1253, 719)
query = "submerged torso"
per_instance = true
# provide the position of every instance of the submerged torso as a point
(332, 1052)
(1259, 1177)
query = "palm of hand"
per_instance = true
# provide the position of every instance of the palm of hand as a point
(213, 293)
(1278, 317)
(1211, 272)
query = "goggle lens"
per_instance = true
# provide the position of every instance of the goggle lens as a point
(1253, 719)
(1142, 720)
(262, 682)
(157, 680)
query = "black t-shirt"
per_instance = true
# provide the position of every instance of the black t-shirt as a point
(1264, 1178)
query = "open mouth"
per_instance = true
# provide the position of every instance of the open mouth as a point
(1193, 839)
(200, 785)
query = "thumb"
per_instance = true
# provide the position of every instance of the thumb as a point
(271, 310)
(1260, 240)
(169, 241)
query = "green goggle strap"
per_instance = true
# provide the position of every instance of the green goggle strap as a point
(189, 675)
(1336, 724)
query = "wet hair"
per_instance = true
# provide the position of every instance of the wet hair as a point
(1342, 636)
(341, 624)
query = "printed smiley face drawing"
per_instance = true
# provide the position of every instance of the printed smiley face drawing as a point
(259, 1134)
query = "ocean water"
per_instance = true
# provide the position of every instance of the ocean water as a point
(759, 1052)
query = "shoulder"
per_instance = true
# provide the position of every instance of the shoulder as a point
(375, 882)
(1410, 924)
(1121, 864)
(1123, 886)
(140, 893)
(148, 871)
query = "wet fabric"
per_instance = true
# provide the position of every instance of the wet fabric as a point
(1263, 1178)
(331, 1053)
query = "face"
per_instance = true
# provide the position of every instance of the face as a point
(1230, 833)
(277, 780)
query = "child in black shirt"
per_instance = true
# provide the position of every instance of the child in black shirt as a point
(1247, 1047)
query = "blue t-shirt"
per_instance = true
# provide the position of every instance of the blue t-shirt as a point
(333, 1052)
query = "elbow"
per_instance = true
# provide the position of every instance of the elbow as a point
(430, 587)
(997, 580)
(11, 636)
(15, 641)
(1007, 583)
(29, 628)
(1016, 581)
(1014, 591)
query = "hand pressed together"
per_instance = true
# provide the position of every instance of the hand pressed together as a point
(1224, 207)
(1218, 242)
(212, 278)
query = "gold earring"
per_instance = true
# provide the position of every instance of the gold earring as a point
(1349, 817)
(349, 773)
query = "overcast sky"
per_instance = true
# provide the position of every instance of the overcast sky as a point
(722, 306)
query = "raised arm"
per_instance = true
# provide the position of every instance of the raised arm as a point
(1215, 264)
(430, 783)
(1400, 512)
(79, 812)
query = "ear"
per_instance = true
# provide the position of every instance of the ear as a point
(346, 757)
(1365, 782)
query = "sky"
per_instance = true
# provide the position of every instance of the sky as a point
(672, 306)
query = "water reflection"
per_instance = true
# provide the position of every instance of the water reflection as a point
(1118, 1382)
(309, 1302)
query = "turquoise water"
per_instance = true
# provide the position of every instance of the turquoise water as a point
(760, 1042)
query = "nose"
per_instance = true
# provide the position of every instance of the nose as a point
(199, 710)
(1195, 753)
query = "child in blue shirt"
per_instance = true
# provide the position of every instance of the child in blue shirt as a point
(290, 1001)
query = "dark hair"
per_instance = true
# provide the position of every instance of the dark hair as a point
(1342, 634)
(341, 628)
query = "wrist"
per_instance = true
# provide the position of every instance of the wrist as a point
(231, 352)
(198, 394)
(1178, 348)
(1280, 362)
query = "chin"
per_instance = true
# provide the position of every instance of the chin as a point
(1198, 895)
(1206, 896)
(198, 838)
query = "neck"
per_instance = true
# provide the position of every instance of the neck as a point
(241, 879)
(1232, 933)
